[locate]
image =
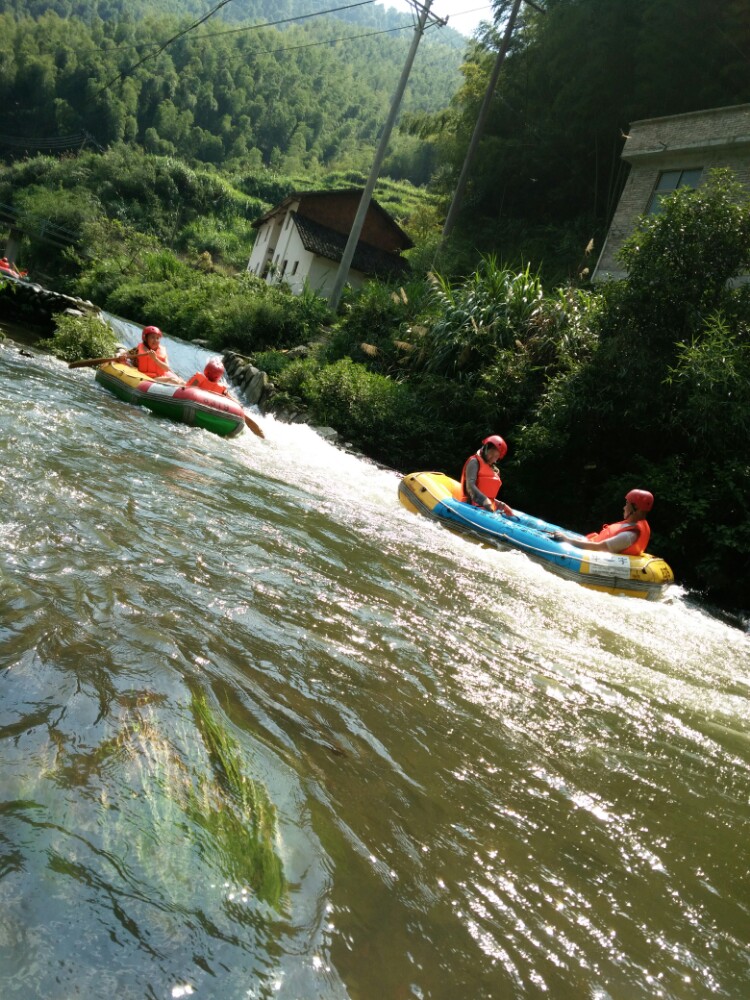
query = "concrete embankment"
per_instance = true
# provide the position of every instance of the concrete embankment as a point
(30, 303)
(258, 389)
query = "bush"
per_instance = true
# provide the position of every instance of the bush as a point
(477, 318)
(425, 425)
(371, 321)
(272, 363)
(78, 337)
(680, 262)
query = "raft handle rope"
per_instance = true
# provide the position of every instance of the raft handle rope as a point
(505, 537)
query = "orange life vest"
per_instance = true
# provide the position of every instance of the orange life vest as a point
(201, 381)
(147, 365)
(488, 481)
(610, 530)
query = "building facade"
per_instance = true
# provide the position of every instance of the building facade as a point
(302, 240)
(667, 153)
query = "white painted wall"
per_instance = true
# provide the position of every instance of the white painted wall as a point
(280, 234)
(323, 274)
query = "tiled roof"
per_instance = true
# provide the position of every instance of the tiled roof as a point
(332, 196)
(327, 243)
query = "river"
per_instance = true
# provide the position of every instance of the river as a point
(266, 734)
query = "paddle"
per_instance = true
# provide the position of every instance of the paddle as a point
(91, 362)
(255, 428)
(249, 422)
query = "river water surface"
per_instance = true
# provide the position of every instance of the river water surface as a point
(265, 734)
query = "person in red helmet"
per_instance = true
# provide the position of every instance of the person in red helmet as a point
(150, 357)
(628, 537)
(209, 378)
(8, 267)
(480, 477)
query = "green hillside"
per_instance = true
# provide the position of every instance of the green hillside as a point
(303, 96)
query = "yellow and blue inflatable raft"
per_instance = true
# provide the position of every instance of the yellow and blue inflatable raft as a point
(434, 495)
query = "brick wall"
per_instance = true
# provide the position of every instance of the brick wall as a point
(719, 137)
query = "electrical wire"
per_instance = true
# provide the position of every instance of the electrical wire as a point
(190, 27)
(70, 141)
(45, 142)
(332, 41)
(254, 27)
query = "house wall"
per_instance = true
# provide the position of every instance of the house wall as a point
(260, 249)
(716, 138)
(271, 239)
(323, 273)
(319, 272)
(286, 248)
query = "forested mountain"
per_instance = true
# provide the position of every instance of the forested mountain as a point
(363, 13)
(314, 94)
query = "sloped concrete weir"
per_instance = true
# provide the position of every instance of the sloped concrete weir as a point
(39, 305)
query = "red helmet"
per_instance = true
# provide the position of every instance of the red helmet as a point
(148, 330)
(214, 369)
(497, 441)
(642, 500)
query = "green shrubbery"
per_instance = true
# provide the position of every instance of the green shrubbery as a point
(390, 421)
(663, 403)
(77, 337)
(387, 376)
(192, 301)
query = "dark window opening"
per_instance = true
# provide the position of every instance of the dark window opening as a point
(669, 181)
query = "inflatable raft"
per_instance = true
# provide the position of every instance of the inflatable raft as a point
(208, 410)
(434, 495)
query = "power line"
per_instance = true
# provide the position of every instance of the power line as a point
(190, 27)
(43, 142)
(332, 41)
(285, 48)
(49, 144)
(68, 142)
(473, 10)
(254, 27)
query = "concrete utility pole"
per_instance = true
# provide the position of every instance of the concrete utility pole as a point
(458, 194)
(359, 219)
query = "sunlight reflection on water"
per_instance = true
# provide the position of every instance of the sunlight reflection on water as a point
(486, 781)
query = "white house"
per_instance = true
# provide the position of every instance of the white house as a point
(302, 239)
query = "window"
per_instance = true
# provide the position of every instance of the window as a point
(283, 270)
(669, 181)
(295, 265)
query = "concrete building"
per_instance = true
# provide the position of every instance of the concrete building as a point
(302, 239)
(667, 153)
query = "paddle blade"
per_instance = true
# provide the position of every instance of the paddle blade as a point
(255, 428)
